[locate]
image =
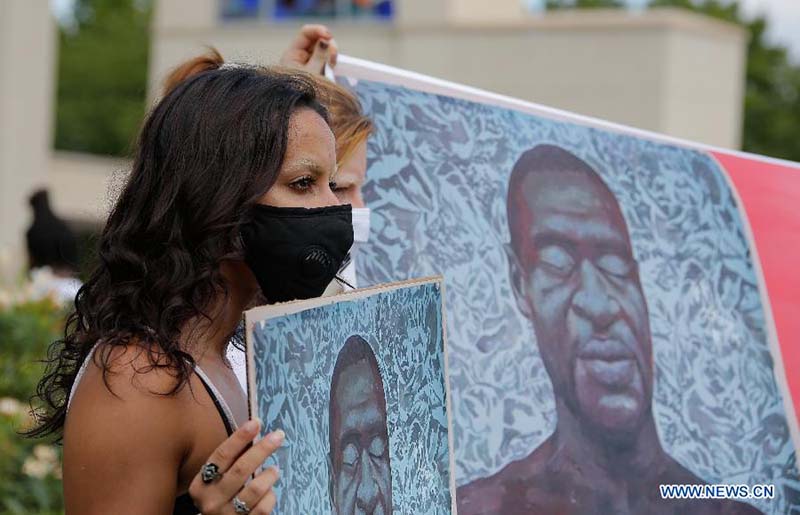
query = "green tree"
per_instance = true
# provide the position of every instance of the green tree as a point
(102, 76)
(772, 98)
(772, 89)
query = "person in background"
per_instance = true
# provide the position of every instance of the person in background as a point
(315, 50)
(52, 252)
(352, 129)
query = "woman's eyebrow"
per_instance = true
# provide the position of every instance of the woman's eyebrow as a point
(306, 164)
(341, 179)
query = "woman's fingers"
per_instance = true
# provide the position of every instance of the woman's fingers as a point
(209, 494)
(236, 465)
(308, 36)
(303, 46)
(229, 451)
(333, 53)
(316, 64)
(243, 468)
(257, 490)
(266, 505)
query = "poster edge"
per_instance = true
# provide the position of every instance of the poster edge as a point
(451, 447)
(347, 63)
(269, 311)
(773, 340)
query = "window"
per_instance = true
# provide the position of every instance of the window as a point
(307, 9)
(240, 8)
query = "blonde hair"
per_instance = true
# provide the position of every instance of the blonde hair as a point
(349, 124)
(211, 60)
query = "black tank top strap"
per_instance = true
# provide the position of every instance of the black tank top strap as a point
(217, 403)
(183, 503)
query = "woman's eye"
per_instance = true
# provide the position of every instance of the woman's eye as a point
(340, 188)
(302, 184)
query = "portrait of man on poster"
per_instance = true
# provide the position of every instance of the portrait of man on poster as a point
(574, 276)
(360, 467)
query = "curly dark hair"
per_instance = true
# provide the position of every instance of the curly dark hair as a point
(205, 155)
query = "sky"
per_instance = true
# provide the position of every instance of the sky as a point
(784, 21)
(783, 16)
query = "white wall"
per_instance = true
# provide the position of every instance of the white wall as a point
(83, 187)
(27, 77)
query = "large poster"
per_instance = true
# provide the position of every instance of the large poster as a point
(609, 324)
(357, 382)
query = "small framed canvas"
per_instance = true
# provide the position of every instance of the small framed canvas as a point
(358, 383)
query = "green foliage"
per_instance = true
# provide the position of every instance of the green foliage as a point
(25, 332)
(29, 473)
(772, 92)
(102, 76)
(772, 98)
(29, 470)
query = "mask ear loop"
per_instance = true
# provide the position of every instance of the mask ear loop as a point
(347, 261)
(341, 280)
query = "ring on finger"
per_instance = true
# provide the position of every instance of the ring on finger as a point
(239, 506)
(210, 473)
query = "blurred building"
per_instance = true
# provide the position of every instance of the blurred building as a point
(664, 70)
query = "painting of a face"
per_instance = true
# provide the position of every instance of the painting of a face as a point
(362, 481)
(579, 283)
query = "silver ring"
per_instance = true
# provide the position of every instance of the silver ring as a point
(240, 507)
(210, 473)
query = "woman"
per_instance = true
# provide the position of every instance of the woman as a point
(139, 387)
(311, 50)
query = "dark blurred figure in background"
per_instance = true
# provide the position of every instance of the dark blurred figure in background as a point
(52, 251)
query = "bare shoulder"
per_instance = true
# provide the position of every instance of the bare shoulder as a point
(128, 388)
(125, 430)
(129, 374)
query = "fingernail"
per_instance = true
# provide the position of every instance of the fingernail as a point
(276, 437)
(251, 426)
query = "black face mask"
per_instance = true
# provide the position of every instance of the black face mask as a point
(296, 252)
